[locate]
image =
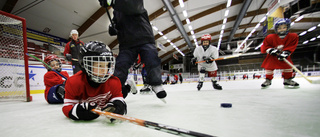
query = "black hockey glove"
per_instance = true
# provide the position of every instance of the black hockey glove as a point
(193, 61)
(106, 3)
(82, 111)
(273, 52)
(112, 30)
(68, 57)
(284, 54)
(207, 59)
(117, 107)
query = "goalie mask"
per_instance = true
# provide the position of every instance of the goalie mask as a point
(280, 22)
(51, 58)
(97, 61)
(205, 37)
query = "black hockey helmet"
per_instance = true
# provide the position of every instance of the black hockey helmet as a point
(97, 61)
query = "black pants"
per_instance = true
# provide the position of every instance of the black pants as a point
(75, 67)
(149, 56)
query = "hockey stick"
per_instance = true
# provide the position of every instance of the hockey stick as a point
(152, 125)
(46, 65)
(293, 67)
(234, 56)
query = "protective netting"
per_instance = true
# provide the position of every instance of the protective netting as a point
(12, 74)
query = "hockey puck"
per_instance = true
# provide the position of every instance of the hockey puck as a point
(226, 105)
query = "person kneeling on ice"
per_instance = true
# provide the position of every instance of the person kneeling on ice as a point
(54, 92)
(206, 53)
(279, 46)
(94, 87)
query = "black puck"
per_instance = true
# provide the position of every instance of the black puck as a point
(226, 105)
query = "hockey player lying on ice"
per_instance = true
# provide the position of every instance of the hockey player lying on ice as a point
(54, 92)
(94, 86)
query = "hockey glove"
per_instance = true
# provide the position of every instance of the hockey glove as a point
(273, 52)
(284, 54)
(117, 106)
(193, 61)
(112, 30)
(82, 111)
(68, 57)
(207, 59)
(106, 3)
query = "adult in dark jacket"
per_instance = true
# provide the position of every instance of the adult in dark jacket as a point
(135, 36)
(72, 50)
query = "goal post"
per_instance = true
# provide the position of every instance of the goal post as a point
(14, 74)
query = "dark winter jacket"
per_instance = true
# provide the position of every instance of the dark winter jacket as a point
(132, 22)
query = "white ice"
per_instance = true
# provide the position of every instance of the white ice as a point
(255, 112)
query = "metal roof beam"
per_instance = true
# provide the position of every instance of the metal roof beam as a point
(243, 12)
(177, 21)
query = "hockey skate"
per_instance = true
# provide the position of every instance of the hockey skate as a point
(146, 89)
(215, 85)
(199, 85)
(133, 86)
(266, 84)
(160, 92)
(289, 83)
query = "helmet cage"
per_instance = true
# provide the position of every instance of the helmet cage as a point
(95, 69)
(281, 22)
(51, 58)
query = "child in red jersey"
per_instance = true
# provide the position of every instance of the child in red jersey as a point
(54, 92)
(94, 86)
(279, 46)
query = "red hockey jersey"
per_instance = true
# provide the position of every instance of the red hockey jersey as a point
(78, 90)
(289, 43)
(51, 79)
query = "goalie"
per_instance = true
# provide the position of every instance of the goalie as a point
(94, 86)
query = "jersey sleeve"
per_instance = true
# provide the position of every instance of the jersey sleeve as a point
(52, 79)
(71, 95)
(266, 44)
(196, 52)
(67, 49)
(116, 89)
(215, 53)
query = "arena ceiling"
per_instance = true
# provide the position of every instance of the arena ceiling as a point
(205, 16)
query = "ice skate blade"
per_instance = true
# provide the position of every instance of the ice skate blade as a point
(146, 93)
(265, 87)
(163, 100)
(291, 87)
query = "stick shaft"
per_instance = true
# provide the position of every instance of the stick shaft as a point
(46, 65)
(297, 70)
(152, 125)
(220, 58)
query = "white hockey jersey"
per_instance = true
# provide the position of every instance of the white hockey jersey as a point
(210, 52)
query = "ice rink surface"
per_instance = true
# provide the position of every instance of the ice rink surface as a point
(255, 112)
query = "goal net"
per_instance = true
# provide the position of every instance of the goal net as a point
(14, 76)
